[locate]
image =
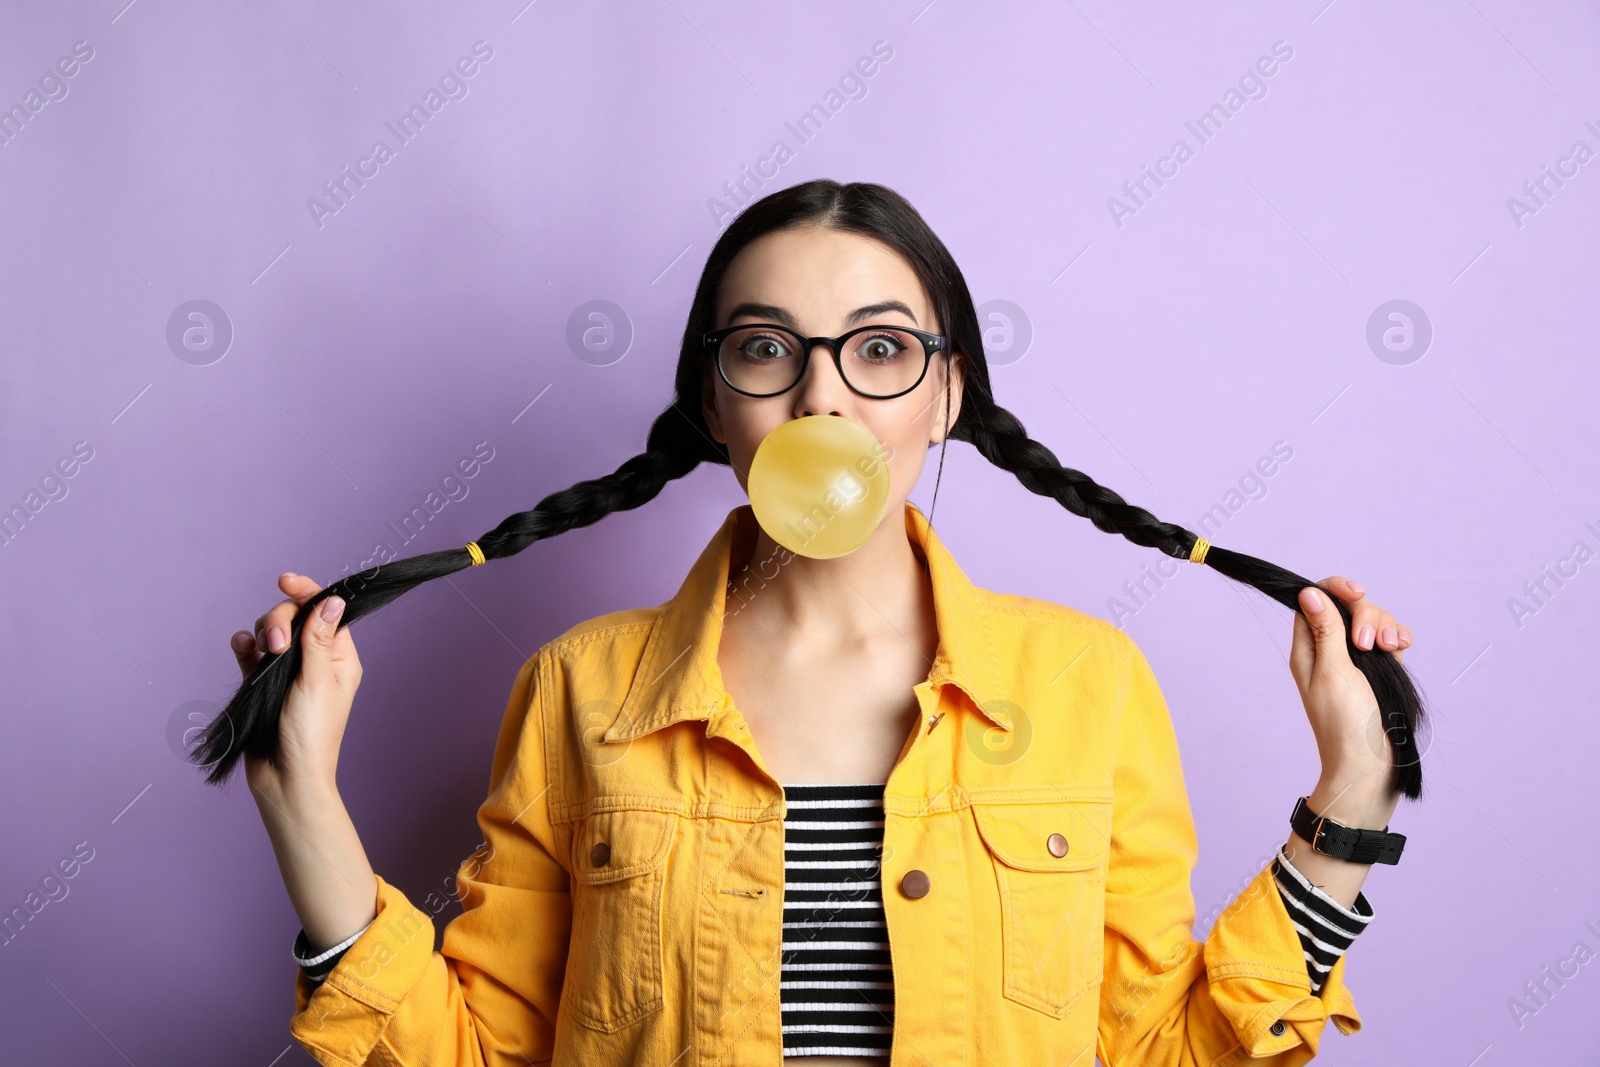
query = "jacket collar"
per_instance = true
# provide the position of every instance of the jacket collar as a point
(678, 676)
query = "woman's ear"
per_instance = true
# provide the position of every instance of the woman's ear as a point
(708, 403)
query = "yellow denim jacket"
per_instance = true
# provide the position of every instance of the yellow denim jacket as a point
(662, 947)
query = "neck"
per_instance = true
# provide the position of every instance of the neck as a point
(881, 584)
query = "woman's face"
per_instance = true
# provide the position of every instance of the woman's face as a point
(814, 280)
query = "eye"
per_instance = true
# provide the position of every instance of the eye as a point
(880, 347)
(763, 348)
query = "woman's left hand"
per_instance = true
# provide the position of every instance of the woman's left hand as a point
(1340, 703)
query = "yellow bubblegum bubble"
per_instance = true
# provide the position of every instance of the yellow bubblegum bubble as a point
(819, 485)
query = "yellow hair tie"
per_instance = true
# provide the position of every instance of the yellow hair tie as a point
(476, 552)
(1197, 554)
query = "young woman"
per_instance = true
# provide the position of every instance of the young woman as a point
(826, 811)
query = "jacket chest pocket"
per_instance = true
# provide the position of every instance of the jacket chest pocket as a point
(1049, 862)
(619, 861)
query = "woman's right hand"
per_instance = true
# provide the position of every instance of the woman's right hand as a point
(314, 716)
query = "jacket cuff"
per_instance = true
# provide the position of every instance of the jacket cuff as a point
(1257, 972)
(341, 1019)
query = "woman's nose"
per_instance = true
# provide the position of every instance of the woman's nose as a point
(820, 391)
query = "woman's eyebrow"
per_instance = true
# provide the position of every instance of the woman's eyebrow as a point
(773, 313)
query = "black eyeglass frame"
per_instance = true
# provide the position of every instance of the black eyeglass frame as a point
(931, 343)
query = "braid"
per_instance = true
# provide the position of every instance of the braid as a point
(670, 453)
(249, 722)
(999, 437)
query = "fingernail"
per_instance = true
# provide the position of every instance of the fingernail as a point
(275, 640)
(241, 641)
(1388, 636)
(1405, 635)
(1364, 637)
(332, 608)
(1314, 602)
(1356, 587)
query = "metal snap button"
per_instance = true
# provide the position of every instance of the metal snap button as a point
(1278, 1028)
(1057, 845)
(600, 855)
(915, 884)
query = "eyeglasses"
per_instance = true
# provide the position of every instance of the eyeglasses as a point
(880, 362)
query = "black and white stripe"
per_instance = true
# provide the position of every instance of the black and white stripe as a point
(836, 986)
(1326, 929)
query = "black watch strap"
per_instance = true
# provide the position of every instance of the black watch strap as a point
(1345, 842)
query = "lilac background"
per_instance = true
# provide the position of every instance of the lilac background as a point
(1167, 355)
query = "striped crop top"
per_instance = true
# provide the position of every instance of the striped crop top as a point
(836, 984)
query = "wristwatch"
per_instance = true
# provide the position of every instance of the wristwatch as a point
(1345, 842)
